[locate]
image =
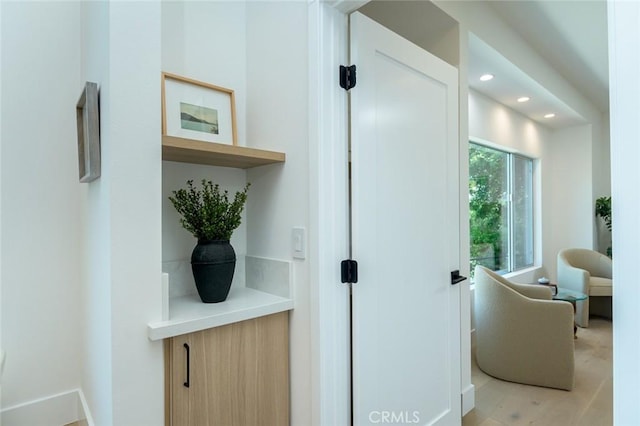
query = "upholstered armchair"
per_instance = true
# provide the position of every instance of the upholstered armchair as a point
(521, 334)
(588, 272)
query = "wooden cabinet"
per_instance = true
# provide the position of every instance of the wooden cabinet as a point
(233, 375)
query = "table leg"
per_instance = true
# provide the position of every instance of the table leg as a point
(575, 327)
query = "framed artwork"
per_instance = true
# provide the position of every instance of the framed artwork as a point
(88, 125)
(195, 110)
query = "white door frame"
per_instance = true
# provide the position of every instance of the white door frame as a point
(328, 158)
(328, 206)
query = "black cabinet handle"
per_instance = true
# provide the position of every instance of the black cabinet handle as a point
(186, 384)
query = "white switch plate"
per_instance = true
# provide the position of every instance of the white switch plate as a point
(298, 243)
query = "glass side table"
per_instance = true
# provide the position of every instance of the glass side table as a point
(572, 297)
(569, 295)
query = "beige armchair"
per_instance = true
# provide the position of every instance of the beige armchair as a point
(588, 272)
(521, 334)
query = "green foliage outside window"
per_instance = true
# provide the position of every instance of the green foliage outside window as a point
(603, 209)
(487, 172)
(500, 209)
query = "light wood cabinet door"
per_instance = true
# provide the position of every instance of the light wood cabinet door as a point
(234, 375)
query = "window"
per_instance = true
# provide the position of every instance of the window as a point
(500, 209)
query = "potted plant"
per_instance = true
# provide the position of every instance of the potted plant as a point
(603, 209)
(211, 217)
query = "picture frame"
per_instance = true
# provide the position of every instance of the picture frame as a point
(196, 110)
(88, 128)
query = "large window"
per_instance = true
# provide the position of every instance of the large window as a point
(501, 209)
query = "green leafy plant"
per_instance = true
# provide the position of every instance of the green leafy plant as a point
(208, 213)
(603, 210)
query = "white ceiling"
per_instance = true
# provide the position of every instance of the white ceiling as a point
(510, 83)
(570, 35)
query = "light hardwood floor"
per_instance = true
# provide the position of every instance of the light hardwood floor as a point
(590, 403)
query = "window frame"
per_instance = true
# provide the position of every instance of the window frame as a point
(534, 196)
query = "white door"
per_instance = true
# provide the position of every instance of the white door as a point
(405, 232)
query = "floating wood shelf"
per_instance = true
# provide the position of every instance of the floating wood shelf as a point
(215, 154)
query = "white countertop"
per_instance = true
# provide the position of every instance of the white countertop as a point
(189, 314)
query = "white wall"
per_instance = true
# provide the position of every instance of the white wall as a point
(602, 158)
(570, 201)
(78, 318)
(41, 216)
(123, 370)
(189, 30)
(135, 188)
(206, 41)
(1, 350)
(624, 65)
(501, 125)
(96, 304)
(277, 102)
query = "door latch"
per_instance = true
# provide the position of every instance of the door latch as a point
(456, 277)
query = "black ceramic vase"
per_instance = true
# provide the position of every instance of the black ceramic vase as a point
(213, 263)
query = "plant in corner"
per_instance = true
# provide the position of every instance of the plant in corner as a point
(603, 209)
(211, 217)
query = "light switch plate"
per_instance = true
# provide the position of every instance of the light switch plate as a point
(299, 243)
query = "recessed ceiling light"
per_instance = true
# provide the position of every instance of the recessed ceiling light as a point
(524, 99)
(551, 115)
(486, 77)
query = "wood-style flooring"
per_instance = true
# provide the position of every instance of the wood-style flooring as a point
(590, 403)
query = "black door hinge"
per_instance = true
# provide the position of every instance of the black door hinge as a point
(349, 269)
(347, 77)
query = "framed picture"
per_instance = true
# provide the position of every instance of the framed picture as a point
(195, 110)
(88, 123)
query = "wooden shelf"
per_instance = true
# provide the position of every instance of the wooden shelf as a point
(215, 154)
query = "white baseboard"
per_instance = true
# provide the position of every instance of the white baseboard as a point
(84, 414)
(60, 409)
(468, 399)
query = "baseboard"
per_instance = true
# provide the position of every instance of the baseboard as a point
(468, 399)
(60, 409)
(84, 414)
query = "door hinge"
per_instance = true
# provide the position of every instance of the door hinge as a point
(347, 77)
(349, 269)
